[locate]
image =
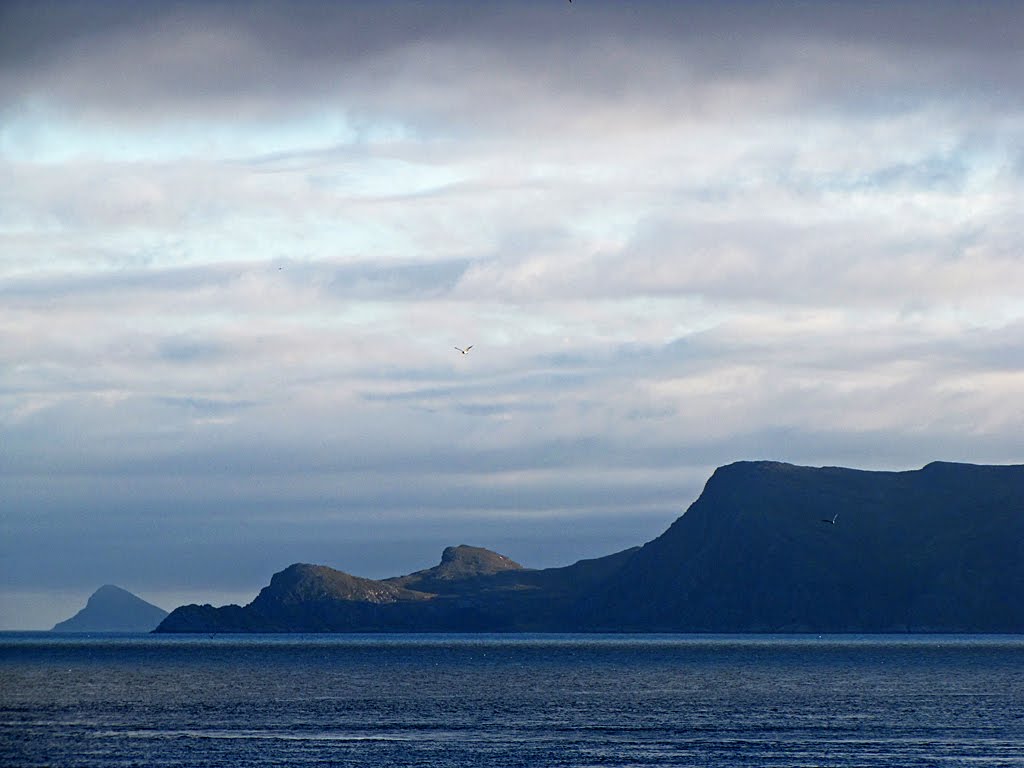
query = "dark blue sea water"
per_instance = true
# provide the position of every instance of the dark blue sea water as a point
(519, 700)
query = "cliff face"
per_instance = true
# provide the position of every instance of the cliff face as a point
(938, 549)
(767, 547)
(112, 609)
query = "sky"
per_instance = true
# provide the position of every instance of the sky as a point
(239, 243)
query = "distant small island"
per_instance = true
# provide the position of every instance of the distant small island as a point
(767, 547)
(112, 609)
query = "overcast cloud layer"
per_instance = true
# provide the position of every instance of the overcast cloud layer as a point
(239, 242)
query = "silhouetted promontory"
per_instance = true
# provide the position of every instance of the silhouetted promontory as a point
(767, 547)
(112, 609)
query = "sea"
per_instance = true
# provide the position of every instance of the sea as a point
(511, 700)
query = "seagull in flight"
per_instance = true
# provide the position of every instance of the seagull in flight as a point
(466, 350)
(832, 521)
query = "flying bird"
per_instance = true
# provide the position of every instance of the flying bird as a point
(832, 521)
(466, 350)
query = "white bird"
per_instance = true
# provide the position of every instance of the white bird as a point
(466, 350)
(832, 521)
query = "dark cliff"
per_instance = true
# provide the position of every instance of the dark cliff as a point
(937, 549)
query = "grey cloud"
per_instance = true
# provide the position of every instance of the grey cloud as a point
(185, 350)
(542, 383)
(213, 56)
(948, 172)
(127, 281)
(373, 280)
(811, 264)
(208, 405)
(362, 281)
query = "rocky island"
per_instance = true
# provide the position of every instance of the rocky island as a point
(767, 547)
(113, 609)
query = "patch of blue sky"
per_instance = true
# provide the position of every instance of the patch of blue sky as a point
(47, 136)
(245, 239)
(934, 172)
(610, 226)
(383, 177)
(987, 313)
(19, 219)
(580, 326)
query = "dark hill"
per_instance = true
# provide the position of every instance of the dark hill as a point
(470, 590)
(460, 567)
(940, 549)
(112, 609)
(300, 584)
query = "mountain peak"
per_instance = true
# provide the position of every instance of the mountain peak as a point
(464, 560)
(113, 609)
(108, 591)
(302, 582)
(461, 567)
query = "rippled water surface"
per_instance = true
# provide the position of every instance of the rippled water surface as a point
(516, 700)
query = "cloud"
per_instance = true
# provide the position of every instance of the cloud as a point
(206, 57)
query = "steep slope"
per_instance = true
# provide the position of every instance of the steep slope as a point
(937, 549)
(112, 609)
